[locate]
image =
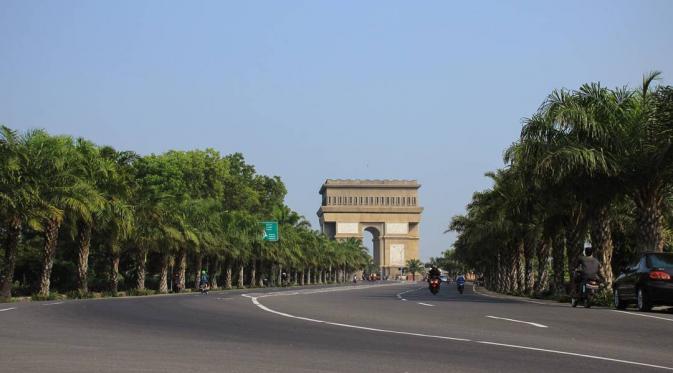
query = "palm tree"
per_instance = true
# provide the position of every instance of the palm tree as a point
(95, 170)
(115, 220)
(61, 191)
(19, 197)
(414, 266)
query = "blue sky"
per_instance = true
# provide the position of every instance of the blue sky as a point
(433, 91)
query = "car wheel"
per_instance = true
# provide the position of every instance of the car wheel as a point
(643, 303)
(617, 300)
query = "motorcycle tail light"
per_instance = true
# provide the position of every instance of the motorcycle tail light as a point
(659, 275)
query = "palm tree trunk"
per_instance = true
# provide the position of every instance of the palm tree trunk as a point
(301, 279)
(601, 239)
(180, 270)
(528, 253)
(319, 273)
(241, 276)
(228, 275)
(543, 251)
(141, 259)
(84, 245)
(521, 267)
(163, 273)
(48, 252)
(198, 263)
(114, 270)
(308, 276)
(649, 217)
(253, 273)
(214, 270)
(575, 237)
(558, 256)
(11, 250)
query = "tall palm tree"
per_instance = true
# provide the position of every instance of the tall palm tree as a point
(61, 191)
(19, 197)
(95, 170)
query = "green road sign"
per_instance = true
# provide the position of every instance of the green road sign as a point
(270, 230)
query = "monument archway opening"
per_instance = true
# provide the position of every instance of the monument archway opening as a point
(385, 209)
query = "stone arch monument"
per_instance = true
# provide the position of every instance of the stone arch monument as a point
(386, 208)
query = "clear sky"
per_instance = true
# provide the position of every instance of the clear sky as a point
(432, 90)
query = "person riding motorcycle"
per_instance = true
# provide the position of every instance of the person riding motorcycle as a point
(433, 273)
(203, 283)
(588, 269)
(460, 282)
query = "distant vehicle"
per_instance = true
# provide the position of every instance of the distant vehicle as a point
(647, 282)
(444, 278)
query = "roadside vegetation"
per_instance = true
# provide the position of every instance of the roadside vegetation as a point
(592, 165)
(78, 218)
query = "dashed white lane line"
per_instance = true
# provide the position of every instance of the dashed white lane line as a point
(426, 304)
(7, 309)
(518, 321)
(400, 297)
(642, 315)
(52, 304)
(255, 301)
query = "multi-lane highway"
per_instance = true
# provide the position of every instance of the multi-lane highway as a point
(387, 327)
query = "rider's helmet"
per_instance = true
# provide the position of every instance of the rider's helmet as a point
(588, 250)
(203, 272)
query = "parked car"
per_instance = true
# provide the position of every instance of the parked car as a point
(443, 278)
(646, 282)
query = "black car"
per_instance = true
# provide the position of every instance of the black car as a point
(646, 282)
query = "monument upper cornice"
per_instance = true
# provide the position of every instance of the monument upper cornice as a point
(369, 183)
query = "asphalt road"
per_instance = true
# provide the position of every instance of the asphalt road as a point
(365, 328)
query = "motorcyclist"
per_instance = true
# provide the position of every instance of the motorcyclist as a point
(589, 268)
(460, 280)
(203, 283)
(433, 273)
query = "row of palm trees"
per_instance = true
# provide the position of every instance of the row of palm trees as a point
(592, 165)
(95, 209)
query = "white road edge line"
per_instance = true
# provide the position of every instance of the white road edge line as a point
(639, 314)
(7, 309)
(558, 352)
(519, 321)
(516, 299)
(575, 354)
(52, 304)
(425, 304)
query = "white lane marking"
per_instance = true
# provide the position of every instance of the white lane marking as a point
(642, 315)
(575, 354)
(558, 352)
(265, 308)
(52, 304)
(425, 304)
(519, 321)
(400, 297)
(7, 309)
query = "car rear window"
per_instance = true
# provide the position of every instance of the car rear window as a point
(660, 260)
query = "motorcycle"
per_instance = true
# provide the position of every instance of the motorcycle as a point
(587, 292)
(434, 285)
(461, 288)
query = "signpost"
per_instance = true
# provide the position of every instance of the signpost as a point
(270, 230)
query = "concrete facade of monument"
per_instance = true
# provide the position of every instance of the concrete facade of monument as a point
(388, 209)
